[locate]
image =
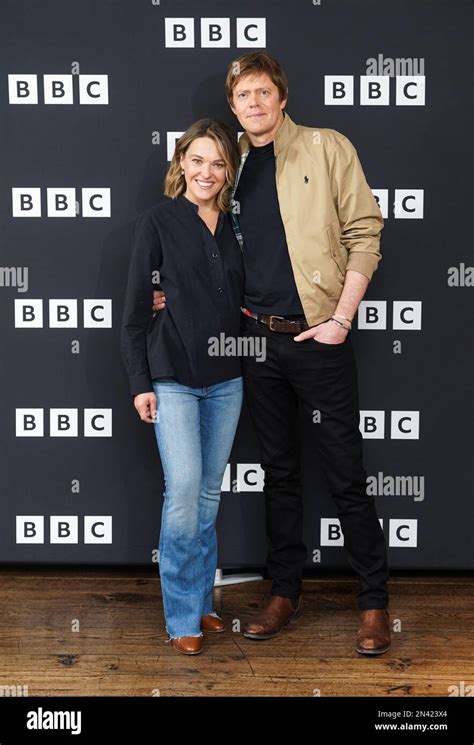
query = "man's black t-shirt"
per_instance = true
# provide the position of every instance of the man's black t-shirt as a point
(269, 282)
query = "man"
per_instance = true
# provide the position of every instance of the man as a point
(309, 228)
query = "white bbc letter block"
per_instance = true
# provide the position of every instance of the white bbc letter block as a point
(215, 32)
(26, 201)
(94, 90)
(96, 202)
(63, 423)
(23, 89)
(407, 315)
(63, 529)
(62, 313)
(97, 422)
(251, 32)
(28, 314)
(410, 90)
(405, 425)
(374, 90)
(29, 422)
(408, 204)
(29, 529)
(250, 477)
(97, 529)
(179, 32)
(58, 89)
(338, 90)
(372, 424)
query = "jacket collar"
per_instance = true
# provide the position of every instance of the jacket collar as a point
(284, 135)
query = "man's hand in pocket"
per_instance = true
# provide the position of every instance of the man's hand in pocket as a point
(159, 300)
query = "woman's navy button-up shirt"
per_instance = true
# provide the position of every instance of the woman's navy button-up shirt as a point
(202, 277)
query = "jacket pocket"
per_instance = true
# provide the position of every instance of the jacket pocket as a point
(338, 252)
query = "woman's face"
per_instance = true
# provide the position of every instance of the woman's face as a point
(204, 171)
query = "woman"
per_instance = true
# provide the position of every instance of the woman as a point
(186, 245)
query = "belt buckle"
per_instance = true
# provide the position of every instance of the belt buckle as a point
(281, 318)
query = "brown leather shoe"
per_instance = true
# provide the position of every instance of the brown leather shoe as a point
(374, 634)
(212, 624)
(187, 644)
(277, 614)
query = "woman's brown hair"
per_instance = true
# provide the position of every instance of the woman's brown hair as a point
(175, 182)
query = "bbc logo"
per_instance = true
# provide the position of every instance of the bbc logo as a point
(58, 89)
(403, 533)
(406, 315)
(60, 201)
(63, 422)
(249, 477)
(404, 425)
(215, 32)
(374, 90)
(63, 313)
(64, 529)
(408, 204)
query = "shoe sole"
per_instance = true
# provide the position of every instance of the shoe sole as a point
(188, 653)
(373, 652)
(262, 637)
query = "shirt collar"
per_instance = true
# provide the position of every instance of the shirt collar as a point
(187, 202)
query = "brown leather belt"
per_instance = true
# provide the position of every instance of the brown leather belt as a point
(279, 323)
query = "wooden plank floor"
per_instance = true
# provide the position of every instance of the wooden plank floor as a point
(96, 632)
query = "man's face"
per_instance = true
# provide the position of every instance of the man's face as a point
(257, 105)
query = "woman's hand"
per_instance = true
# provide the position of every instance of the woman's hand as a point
(145, 404)
(159, 300)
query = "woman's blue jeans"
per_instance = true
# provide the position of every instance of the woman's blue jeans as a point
(195, 429)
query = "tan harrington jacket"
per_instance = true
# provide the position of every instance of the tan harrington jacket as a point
(331, 219)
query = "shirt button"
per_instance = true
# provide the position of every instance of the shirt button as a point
(219, 289)
(214, 256)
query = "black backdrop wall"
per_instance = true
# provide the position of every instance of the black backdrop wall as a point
(92, 96)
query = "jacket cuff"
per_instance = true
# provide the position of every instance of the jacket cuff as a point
(361, 261)
(140, 384)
